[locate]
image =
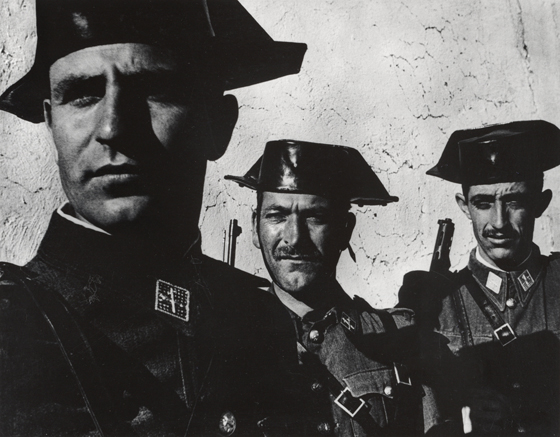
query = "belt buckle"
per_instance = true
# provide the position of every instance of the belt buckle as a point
(402, 375)
(505, 334)
(340, 398)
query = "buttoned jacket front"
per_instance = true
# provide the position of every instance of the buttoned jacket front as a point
(358, 347)
(86, 352)
(526, 371)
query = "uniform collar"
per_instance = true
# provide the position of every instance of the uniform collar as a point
(336, 303)
(499, 285)
(64, 211)
(72, 245)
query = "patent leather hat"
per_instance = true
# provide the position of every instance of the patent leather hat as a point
(512, 152)
(289, 166)
(220, 35)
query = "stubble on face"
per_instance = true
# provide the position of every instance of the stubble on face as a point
(121, 117)
(297, 234)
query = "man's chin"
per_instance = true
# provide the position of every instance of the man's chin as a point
(119, 214)
(502, 257)
(299, 284)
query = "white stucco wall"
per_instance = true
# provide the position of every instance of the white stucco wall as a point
(391, 78)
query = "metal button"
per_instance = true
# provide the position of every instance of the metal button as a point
(324, 428)
(315, 336)
(521, 429)
(388, 390)
(511, 303)
(516, 385)
(227, 424)
(316, 386)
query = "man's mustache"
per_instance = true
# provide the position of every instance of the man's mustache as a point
(506, 233)
(303, 254)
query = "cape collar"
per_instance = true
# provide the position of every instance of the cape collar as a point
(500, 285)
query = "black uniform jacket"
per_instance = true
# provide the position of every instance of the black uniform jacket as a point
(85, 351)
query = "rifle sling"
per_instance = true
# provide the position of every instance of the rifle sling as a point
(462, 319)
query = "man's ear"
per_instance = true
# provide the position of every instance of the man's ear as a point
(463, 204)
(222, 118)
(543, 202)
(255, 231)
(347, 231)
(47, 113)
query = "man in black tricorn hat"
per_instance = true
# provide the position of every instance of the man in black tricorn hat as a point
(346, 359)
(501, 314)
(120, 325)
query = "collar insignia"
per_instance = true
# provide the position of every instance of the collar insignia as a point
(526, 280)
(172, 300)
(348, 323)
(494, 282)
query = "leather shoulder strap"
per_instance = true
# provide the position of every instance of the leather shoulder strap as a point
(73, 346)
(502, 330)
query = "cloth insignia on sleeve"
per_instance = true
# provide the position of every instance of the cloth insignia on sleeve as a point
(172, 300)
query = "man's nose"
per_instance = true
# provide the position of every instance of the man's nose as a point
(111, 117)
(499, 218)
(293, 230)
(120, 121)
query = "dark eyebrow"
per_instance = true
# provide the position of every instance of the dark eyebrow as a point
(163, 76)
(72, 82)
(276, 207)
(305, 211)
(482, 198)
(517, 196)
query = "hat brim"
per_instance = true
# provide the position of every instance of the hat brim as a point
(252, 183)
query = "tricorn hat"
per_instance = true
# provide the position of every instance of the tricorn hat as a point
(512, 152)
(219, 33)
(311, 168)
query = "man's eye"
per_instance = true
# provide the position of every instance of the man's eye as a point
(318, 219)
(274, 216)
(517, 204)
(84, 101)
(482, 205)
(163, 92)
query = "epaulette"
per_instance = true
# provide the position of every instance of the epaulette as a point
(361, 304)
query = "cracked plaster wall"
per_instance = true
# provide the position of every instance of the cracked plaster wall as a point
(391, 78)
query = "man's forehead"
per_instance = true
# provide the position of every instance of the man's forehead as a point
(125, 57)
(501, 189)
(295, 200)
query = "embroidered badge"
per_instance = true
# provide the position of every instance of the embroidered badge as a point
(494, 282)
(172, 300)
(348, 323)
(526, 280)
